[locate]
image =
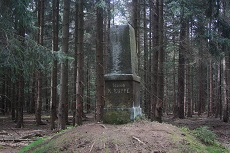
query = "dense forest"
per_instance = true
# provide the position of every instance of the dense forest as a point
(53, 57)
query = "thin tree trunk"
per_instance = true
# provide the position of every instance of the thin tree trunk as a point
(181, 68)
(13, 99)
(219, 97)
(99, 66)
(160, 80)
(136, 25)
(20, 101)
(88, 101)
(154, 63)
(33, 94)
(55, 19)
(146, 101)
(80, 65)
(21, 83)
(39, 99)
(62, 107)
(225, 88)
(41, 6)
(75, 65)
(189, 112)
(3, 95)
(149, 70)
(210, 90)
(175, 108)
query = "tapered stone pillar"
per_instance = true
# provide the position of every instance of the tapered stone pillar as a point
(122, 85)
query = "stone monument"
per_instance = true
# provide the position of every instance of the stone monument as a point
(122, 85)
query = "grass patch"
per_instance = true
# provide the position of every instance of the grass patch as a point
(205, 135)
(201, 140)
(1, 147)
(30, 146)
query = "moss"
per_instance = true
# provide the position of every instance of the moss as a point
(117, 117)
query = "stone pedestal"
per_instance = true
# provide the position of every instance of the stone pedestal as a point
(122, 85)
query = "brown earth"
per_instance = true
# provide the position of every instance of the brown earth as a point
(142, 136)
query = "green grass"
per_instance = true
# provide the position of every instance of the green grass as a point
(1, 147)
(201, 140)
(33, 144)
(44, 145)
(205, 135)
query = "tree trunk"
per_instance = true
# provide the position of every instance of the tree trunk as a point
(62, 107)
(181, 68)
(13, 99)
(154, 63)
(225, 88)
(75, 64)
(21, 96)
(210, 90)
(40, 41)
(55, 19)
(20, 101)
(136, 25)
(39, 99)
(219, 97)
(88, 99)
(160, 80)
(175, 108)
(33, 94)
(99, 66)
(80, 64)
(3, 94)
(189, 112)
(146, 101)
(149, 70)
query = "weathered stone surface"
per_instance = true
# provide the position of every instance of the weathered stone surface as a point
(122, 85)
(122, 58)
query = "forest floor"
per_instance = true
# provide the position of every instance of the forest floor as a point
(138, 136)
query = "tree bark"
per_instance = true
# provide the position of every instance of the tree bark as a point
(80, 64)
(39, 73)
(154, 63)
(74, 106)
(99, 66)
(136, 25)
(160, 80)
(39, 99)
(210, 90)
(146, 101)
(62, 107)
(189, 112)
(181, 68)
(225, 89)
(55, 25)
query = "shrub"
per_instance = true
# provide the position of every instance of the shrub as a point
(205, 135)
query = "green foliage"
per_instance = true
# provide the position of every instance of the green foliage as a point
(192, 138)
(205, 135)
(101, 4)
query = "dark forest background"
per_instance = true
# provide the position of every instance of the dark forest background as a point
(53, 53)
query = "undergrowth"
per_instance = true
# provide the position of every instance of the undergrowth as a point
(205, 135)
(208, 144)
(33, 144)
(40, 141)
